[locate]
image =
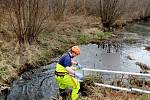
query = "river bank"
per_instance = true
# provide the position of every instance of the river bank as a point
(52, 44)
(73, 30)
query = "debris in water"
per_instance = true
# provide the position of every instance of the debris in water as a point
(147, 48)
(143, 66)
(130, 58)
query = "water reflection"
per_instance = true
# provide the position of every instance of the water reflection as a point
(92, 56)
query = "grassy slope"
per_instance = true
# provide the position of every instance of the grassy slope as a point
(71, 31)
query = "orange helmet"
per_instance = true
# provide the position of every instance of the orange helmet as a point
(76, 50)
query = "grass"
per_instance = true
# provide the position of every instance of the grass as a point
(103, 35)
(144, 97)
(49, 45)
(83, 39)
(92, 92)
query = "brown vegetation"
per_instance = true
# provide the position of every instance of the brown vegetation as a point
(101, 93)
(48, 45)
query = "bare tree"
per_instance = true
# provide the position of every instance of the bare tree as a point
(27, 18)
(57, 8)
(136, 9)
(147, 11)
(110, 11)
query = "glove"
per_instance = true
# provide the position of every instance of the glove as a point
(79, 66)
(78, 75)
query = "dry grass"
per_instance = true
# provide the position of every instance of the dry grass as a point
(51, 42)
(93, 92)
(100, 93)
(77, 23)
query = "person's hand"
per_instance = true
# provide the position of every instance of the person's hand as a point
(79, 66)
(78, 75)
(73, 68)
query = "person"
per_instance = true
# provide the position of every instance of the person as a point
(65, 74)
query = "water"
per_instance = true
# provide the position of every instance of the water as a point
(39, 84)
(92, 55)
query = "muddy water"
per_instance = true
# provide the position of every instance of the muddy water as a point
(39, 84)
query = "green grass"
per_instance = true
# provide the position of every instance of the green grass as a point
(3, 73)
(82, 39)
(3, 69)
(103, 35)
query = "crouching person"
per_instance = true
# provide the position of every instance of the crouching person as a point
(67, 77)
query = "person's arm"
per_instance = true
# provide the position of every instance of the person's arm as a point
(74, 73)
(70, 70)
(74, 62)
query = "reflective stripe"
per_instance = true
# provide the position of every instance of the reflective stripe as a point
(60, 73)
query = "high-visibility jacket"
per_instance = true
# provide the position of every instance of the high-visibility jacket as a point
(60, 68)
